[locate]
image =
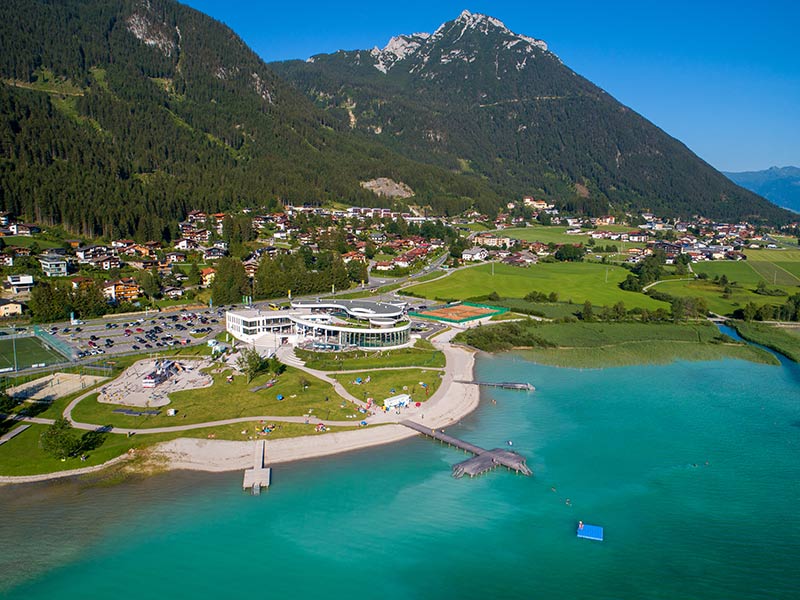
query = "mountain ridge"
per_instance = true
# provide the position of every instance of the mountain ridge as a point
(781, 185)
(473, 96)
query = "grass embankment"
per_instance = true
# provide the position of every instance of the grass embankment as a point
(597, 345)
(577, 282)
(381, 383)
(228, 401)
(24, 456)
(422, 354)
(785, 340)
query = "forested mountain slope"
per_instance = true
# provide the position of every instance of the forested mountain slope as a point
(117, 117)
(476, 97)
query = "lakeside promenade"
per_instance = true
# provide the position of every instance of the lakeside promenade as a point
(454, 399)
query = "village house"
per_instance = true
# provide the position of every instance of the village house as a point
(207, 276)
(213, 253)
(123, 290)
(19, 284)
(474, 254)
(175, 257)
(10, 308)
(106, 263)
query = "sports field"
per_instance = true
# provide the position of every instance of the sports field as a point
(571, 281)
(30, 351)
(459, 313)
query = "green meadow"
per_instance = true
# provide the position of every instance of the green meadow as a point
(577, 282)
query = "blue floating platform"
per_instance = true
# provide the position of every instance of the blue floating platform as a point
(590, 532)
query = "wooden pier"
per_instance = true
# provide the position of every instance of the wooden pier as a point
(259, 476)
(506, 385)
(483, 461)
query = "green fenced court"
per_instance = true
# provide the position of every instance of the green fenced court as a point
(30, 351)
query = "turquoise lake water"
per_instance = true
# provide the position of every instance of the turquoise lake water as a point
(693, 470)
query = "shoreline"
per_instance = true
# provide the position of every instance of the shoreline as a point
(450, 403)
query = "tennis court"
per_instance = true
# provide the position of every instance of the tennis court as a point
(459, 313)
(30, 351)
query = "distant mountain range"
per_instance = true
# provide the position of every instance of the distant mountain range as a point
(117, 117)
(781, 185)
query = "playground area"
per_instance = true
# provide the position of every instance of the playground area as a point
(459, 313)
(52, 387)
(30, 351)
(149, 382)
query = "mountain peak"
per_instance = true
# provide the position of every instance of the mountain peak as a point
(450, 33)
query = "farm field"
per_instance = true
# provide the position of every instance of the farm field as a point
(777, 267)
(30, 351)
(740, 271)
(571, 281)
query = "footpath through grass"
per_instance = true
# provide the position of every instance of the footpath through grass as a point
(612, 344)
(422, 354)
(785, 340)
(225, 400)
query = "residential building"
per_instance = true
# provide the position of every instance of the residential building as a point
(10, 308)
(208, 276)
(475, 254)
(53, 266)
(19, 284)
(124, 290)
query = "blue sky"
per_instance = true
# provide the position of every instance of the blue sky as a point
(722, 77)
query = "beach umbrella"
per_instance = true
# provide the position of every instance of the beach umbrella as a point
(418, 404)
(280, 396)
(363, 422)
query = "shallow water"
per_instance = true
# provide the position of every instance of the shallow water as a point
(692, 468)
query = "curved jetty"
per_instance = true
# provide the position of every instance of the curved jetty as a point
(483, 461)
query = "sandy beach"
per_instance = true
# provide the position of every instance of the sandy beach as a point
(451, 402)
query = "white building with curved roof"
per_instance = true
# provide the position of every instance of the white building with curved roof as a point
(324, 325)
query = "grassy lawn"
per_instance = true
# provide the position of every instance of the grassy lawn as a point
(785, 340)
(229, 400)
(571, 281)
(549, 310)
(24, 241)
(422, 354)
(382, 383)
(557, 234)
(23, 456)
(712, 294)
(595, 345)
(29, 350)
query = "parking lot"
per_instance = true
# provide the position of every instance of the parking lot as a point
(153, 333)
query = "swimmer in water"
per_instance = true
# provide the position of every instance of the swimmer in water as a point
(568, 502)
(553, 489)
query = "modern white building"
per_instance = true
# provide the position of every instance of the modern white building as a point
(324, 325)
(53, 265)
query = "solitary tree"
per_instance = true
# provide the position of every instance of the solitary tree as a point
(251, 363)
(59, 440)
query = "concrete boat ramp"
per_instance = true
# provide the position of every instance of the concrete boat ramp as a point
(483, 461)
(259, 476)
